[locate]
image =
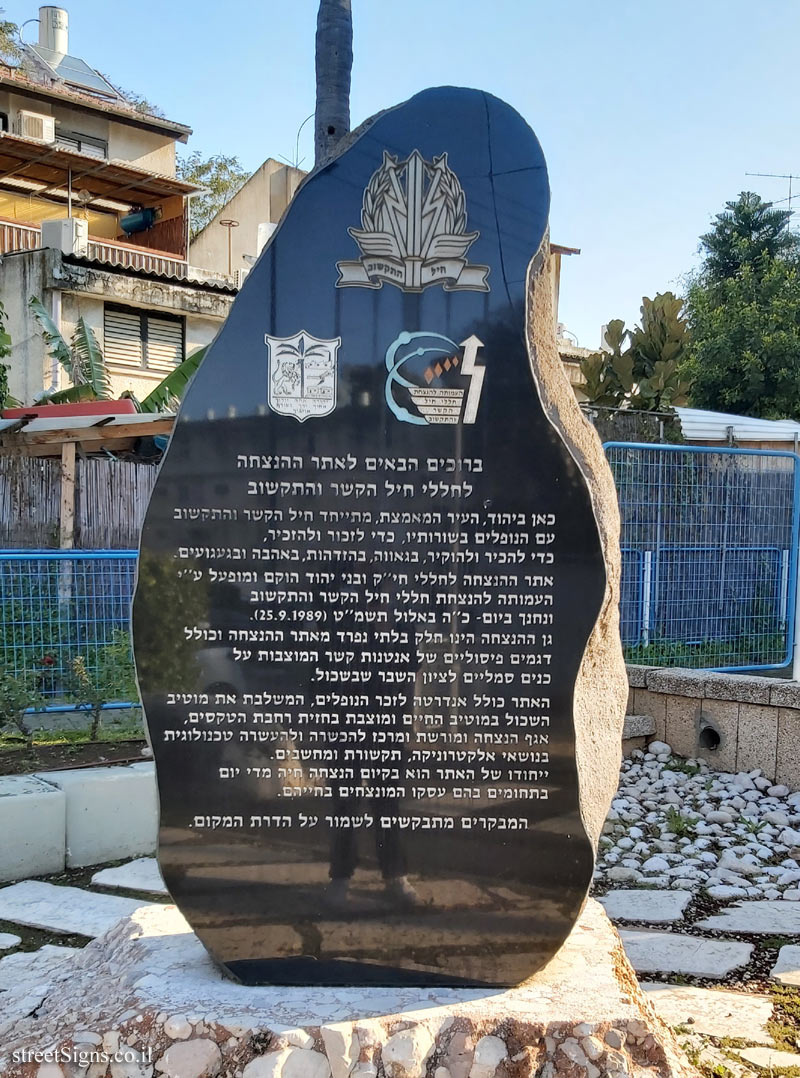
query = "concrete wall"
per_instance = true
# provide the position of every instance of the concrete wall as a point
(757, 719)
(23, 276)
(81, 290)
(148, 149)
(264, 197)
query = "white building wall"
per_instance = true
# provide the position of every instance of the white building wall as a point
(264, 197)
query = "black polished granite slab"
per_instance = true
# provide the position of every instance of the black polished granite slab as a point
(368, 573)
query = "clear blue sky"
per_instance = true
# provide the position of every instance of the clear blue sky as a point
(649, 113)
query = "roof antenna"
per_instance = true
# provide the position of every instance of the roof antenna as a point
(22, 27)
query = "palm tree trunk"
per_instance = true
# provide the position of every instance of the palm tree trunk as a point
(334, 62)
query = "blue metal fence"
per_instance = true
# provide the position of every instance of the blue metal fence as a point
(709, 577)
(709, 554)
(62, 607)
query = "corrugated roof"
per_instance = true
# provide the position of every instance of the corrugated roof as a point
(704, 426)
(206, 285)
(46, 166)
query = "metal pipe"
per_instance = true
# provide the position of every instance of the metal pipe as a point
(73, 555)
(53, 709)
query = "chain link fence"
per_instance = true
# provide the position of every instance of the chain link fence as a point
(64, 627)
(709, 554)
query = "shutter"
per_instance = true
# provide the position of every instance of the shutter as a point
(164, 344)
(122, 339)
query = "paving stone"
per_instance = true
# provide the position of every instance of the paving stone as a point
(7, 941)
(787, 969)
(63, 909)
(638, 726)
(637, 675)
(27, 976)
(655, 907)
(712, 1012)
(785, 694)
(143, 874)
(772, 918)
(669, 952)
(678, 681)
(770, 1057)
(740, 687)
(27, 966)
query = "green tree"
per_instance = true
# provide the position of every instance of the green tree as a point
(746, 342)
(642, 368)
(744, 310)
(334, 63)
(748, 232)
(220, 177)
(10, 51)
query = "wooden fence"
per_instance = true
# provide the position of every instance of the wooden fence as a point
(95, 504)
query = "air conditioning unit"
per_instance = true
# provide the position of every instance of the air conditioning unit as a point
(35, 125)
(70, 235)
(239, 276)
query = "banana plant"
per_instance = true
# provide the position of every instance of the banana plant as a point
(167, 394)
(81, 357)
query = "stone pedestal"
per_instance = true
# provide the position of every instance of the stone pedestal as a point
(149, 990)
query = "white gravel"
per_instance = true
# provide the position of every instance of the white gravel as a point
(678, 824)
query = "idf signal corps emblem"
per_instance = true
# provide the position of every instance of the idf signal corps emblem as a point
(413, 230)
(432, 380)
(303, 375)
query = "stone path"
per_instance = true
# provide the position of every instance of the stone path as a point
(659, 854)
(66, 910)
(787, 969)
(143, 874)
(655, 907)
(715, 1013)
(764, 918)
(671, 952)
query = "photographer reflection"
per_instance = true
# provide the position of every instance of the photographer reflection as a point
(389, 850)
(371, 769)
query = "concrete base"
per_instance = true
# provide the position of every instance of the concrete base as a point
(149, 985)
(111, 813)
(32, 828)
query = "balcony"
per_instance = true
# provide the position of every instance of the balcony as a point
(18, 237)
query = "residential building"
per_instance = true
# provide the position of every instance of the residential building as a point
(94, 221)
(233, 239)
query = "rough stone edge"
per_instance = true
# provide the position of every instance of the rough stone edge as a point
(601, 687)
(478, 1034)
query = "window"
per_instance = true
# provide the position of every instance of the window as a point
(85, 144)
(142, 340)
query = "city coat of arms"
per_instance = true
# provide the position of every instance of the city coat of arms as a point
(414, 229)
(302, 379)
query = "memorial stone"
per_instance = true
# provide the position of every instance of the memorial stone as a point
(375, 630)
